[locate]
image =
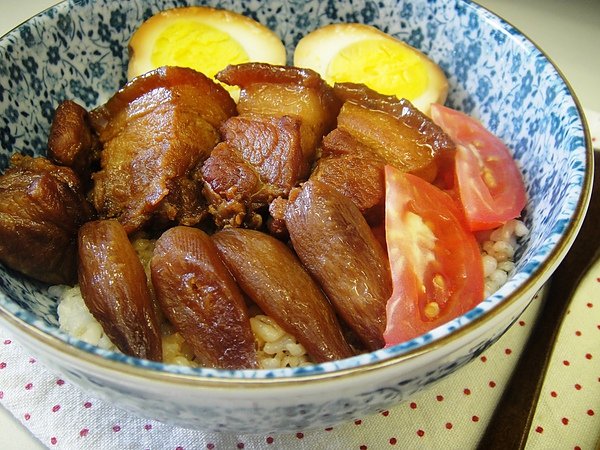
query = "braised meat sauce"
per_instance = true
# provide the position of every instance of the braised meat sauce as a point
(276, 201)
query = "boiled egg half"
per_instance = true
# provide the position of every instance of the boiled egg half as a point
(357, 53)
(203, 38)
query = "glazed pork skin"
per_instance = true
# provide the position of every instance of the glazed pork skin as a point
(155, 130)
(287, 91)
(41, 208)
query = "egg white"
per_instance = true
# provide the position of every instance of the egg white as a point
(317, 49)
(259, 42)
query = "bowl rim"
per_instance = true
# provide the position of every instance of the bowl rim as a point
(155, 371)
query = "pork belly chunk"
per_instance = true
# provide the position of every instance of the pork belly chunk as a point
(184, 204)
(229, 183)
(398, 132)
(271, 144)
(72, 142)
(354, 170)
(374, 130)
(260, 159)
(154, 132)
(42, 207)
(390, 139)
(287, 91)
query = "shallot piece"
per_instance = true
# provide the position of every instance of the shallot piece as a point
(271, 275)
(336, 245)
(200, 298)
(115, 289)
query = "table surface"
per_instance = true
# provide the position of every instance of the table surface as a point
(568, 32)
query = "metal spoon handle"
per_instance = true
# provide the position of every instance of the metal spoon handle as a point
(510, 424)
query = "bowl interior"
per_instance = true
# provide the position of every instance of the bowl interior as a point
(78, 50)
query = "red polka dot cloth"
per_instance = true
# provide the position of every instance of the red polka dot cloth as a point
(452, 414)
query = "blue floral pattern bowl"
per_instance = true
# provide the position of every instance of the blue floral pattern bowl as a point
(78, 50)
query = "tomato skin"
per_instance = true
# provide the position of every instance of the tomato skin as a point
(437, 271)
(488, 182)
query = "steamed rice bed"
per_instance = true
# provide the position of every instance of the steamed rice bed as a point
(275, 348)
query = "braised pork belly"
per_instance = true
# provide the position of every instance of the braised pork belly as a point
(265, 154)
(154, 132)
(294, 158)
(284, 113)
(72, 142)
(229, 184)
(374, 130)
(355, 171)
(399, 133)
(287, 91)
(42, 207)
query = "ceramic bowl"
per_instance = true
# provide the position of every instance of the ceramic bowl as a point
(78, 50)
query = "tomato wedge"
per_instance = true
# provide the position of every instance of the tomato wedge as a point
(488, 181)
(435, 260)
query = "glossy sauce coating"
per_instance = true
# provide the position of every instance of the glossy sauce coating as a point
(115, 290)
(271, 275)
(200, 298)
(336, 245)
(41, 208)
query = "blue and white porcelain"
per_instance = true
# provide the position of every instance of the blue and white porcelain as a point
(78, 50)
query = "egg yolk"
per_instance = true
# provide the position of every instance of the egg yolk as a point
(382, 65)
(197, 46)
